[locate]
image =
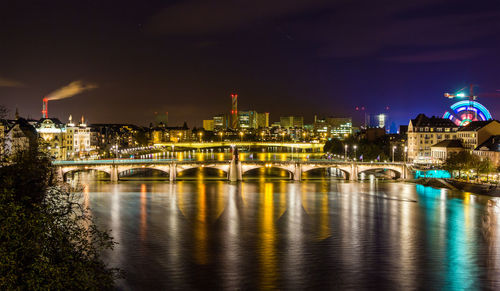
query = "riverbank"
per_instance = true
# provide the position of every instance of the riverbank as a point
(482, 189)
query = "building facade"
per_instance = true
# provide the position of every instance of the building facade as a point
(292, 121)
(477, 132)
(19, 135)
(53, 132)
(221, 121)
(443, 149)
(208, 124)
(263, 120)
(77, 139)
(380, 120)
(247, 119)
(423, 132)
(490, 149)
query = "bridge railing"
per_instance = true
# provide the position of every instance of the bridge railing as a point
(214, 161)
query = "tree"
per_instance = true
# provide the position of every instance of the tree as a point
(334, 146)
(47, 238)
(485, 166)
(465, 161)
(461, 161)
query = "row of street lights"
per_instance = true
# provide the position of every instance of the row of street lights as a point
(393, 151)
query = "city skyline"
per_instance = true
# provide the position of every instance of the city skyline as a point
(307, 56)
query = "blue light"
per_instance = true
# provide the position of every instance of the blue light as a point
(439, 174)
(476, 107)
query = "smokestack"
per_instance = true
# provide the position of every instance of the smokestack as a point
(234, 111)
(45, 108)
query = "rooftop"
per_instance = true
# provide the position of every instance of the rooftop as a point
(491, 144)
(476, 125)
(423, 121)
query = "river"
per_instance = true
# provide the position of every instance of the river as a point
(278, 234)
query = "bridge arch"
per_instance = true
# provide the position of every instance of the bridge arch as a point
(398, 173)
(72, 171)
(345, 171)
(246, 169)
(122, 172)
(345, 168)
(182, 169)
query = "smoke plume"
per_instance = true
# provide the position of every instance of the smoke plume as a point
(72, 89)
(9, 83)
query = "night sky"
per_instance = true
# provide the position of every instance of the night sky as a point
(300, 57)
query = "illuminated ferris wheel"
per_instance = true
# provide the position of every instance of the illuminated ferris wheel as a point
(463, 112)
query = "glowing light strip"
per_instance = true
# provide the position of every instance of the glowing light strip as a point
(475, 105)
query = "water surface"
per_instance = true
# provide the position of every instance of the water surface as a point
(287, 235)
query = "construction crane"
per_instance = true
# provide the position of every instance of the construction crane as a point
(461, 94)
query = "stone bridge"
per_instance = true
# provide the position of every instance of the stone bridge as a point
(234, 169)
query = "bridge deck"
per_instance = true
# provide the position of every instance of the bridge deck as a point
(192, 161)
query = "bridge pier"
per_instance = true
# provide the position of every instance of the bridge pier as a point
(406, 172)
(235, 171)
(297, 175)
(114, 173)
(354, 172)
(172, 173)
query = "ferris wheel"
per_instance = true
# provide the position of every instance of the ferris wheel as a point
(465, 111)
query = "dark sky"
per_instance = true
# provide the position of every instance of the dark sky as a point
(285, 56)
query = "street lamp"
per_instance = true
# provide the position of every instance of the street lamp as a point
(355, 147)
(201, 135)
(283, 137)
(221, 134)
(262, 134)
(393, 149)
(345, 152)
(241, 135)
(406, 153)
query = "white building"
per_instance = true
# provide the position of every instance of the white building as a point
(443, 149)
(64, 141)
(77, 139)
(52, 132)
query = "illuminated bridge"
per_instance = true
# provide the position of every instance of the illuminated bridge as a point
(233, 169)
(202, 145)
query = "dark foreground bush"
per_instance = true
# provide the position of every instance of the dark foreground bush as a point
(47, 239)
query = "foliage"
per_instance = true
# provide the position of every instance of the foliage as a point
(47, 238)
(464, 162)
(141, 138)
(369, 150)
(334, 146)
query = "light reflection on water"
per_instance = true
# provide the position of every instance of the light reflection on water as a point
(286, 235)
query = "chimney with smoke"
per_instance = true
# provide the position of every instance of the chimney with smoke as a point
(72, 89)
